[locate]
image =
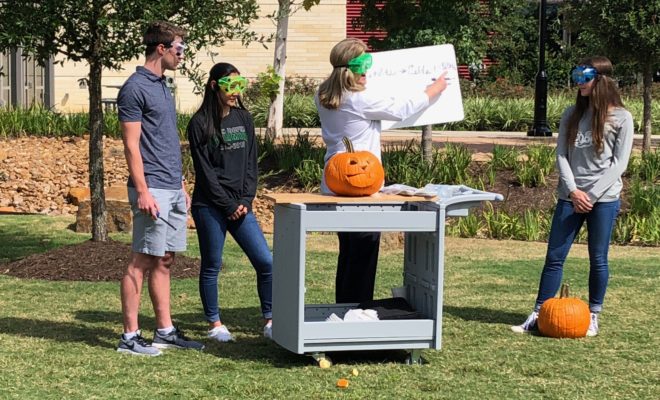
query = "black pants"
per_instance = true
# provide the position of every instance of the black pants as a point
(356, 266)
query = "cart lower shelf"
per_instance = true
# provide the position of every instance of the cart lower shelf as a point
(319, 335)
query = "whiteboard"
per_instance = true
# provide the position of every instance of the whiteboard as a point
(407, 71)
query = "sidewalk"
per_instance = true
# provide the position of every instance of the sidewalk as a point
(482, 139)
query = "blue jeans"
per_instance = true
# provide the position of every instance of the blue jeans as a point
(566, 224)
(212, 229)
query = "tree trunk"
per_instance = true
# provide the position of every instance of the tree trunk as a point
(427, 143)
(96, 184)
(648, 85)
(276, 110)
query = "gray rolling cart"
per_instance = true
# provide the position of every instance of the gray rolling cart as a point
(303, 329)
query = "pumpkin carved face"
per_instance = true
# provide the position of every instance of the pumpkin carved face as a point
(354, 173)
(564, 317)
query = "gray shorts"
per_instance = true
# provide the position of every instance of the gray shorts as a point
(155, 237)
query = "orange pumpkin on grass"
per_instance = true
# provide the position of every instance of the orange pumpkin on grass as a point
(354, 173)
(564, 317)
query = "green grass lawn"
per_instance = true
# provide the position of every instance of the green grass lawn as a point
(57, 339)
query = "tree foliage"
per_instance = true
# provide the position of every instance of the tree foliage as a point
(285, 9)
(106, 33)
(514, 42)
(626, 31)
(110, 31)
(428, 22)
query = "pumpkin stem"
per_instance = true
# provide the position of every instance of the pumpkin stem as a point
(348, 144)
(564, 291)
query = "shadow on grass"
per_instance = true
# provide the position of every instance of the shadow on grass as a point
(246, 325)
(59, 331)
(21, 240)
(485, 315)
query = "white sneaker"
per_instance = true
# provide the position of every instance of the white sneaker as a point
(268, 330)
(529, 325)
(221, 334)
(593, 325)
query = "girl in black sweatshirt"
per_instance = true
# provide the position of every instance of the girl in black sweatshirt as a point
(224, 153)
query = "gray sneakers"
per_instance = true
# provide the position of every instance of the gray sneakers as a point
(529, 325)
(175, 339)
(137, 346)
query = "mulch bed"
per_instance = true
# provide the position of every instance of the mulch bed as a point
(88, 261)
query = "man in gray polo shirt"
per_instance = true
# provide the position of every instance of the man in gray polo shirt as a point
(155, 188)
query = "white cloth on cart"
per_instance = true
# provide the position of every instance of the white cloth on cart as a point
(356, 314)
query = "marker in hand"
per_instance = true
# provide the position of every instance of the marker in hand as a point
(164, 220)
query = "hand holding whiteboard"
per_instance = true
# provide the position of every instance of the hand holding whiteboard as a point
(401, 72)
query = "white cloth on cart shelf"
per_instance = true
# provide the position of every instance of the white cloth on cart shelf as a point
(356, 314)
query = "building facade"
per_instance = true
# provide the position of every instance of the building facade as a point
(61, 85)
(311, 36)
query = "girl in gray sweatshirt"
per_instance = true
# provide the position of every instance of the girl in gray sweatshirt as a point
(593, 148)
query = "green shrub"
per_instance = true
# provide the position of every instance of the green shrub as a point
(632, 228)
(290, 154)
(302, 85)
(39, 121)
(535, 225)
(405, 164)
(309, 174)
(481, 114)
(539, 163)
(182, 121)
(644, 197)
(299, 112)
(465, 227)
(646, 167)
(504, 157)
(499, 224)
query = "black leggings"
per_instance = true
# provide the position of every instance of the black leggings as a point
(356, 266)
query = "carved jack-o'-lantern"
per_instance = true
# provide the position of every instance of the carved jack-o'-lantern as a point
(354, 173)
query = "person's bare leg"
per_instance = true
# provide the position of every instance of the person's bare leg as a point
(159, 290)
(131, 289)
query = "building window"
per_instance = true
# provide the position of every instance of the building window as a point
(5, 84)
(34, 82)
(23, 82)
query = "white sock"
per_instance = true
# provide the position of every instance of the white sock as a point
(130, 335)
(166, 330)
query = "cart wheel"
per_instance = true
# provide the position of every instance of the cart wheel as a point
(414, 357)
(323, 361)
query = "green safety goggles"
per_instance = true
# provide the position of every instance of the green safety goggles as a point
(360, 64)
(232, 85)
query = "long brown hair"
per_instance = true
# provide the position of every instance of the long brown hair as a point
(331, 91)
(213, 107)
(603, 96)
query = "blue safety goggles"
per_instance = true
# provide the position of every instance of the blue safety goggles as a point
(583, 74)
